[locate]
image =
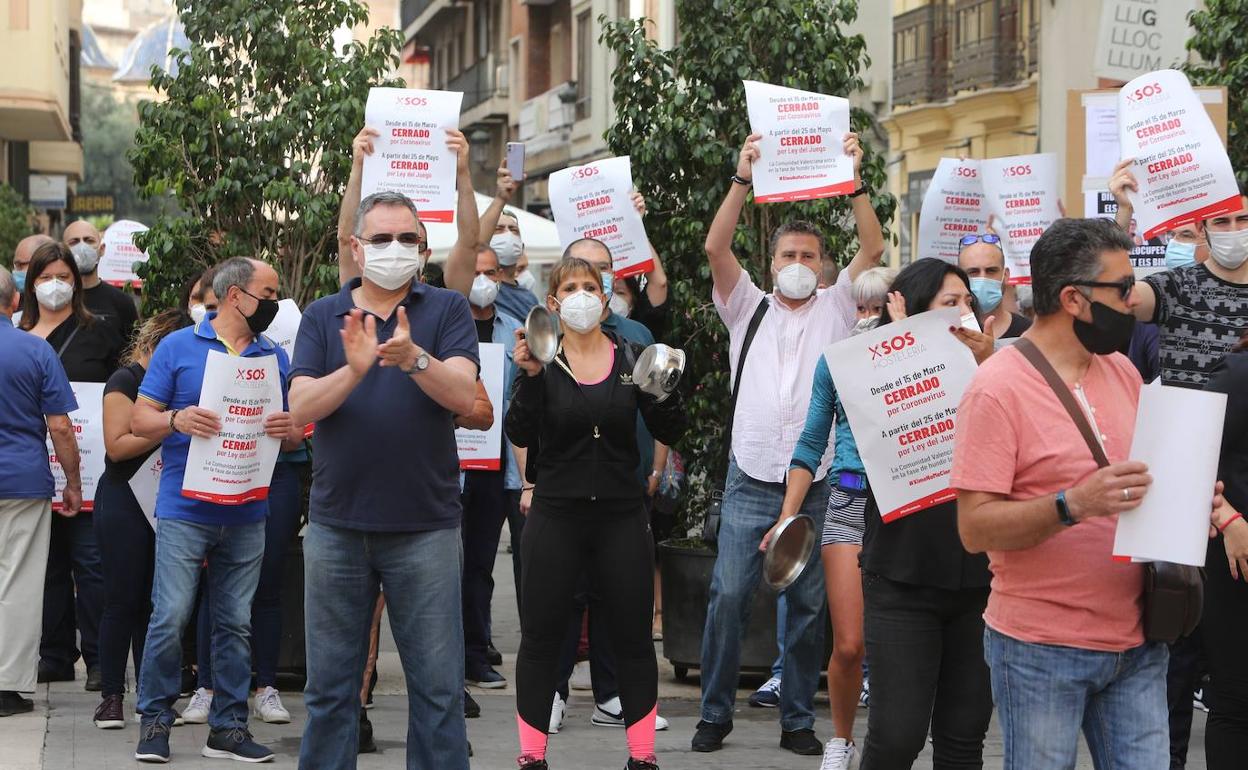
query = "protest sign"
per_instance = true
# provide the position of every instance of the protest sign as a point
(1021, 196)
(1139, 36)
(145, 483)
(285, 326)
(120, 254)
(952, 207)
(802, 150)
(1178, 434)
(1147, 256)
(901, 384)
(236, 465)
(88, 423)
(1181, 166)
(410, 156)
(481, 450)
(593, 201)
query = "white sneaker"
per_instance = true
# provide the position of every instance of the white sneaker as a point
(864, 697)
(556, 715)
(840, 754)
(611, 714)
(268, 704)
(196, 712)
(580, 677)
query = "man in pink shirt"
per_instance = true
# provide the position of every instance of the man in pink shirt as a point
(1064, 637)
(799, 322)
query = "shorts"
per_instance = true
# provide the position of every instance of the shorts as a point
(846, 517)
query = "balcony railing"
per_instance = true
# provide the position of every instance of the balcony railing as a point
(989, 45)
(921, 55)
(480, 83)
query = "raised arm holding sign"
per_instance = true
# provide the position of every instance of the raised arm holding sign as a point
(409, 153)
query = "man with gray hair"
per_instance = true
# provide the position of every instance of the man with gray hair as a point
(35, 401)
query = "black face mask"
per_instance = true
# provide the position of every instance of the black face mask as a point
(266, 311)
(1109, 332)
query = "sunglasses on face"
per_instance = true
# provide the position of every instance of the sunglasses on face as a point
(967, 240)
(1124, 286)
(407, 239)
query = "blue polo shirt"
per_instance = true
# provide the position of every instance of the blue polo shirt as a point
(637, 333)
(386, 460)
(173, 381)
(32, 384)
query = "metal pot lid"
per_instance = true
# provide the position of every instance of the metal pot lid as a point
(789, 551)
(660, 367)
(541, 331)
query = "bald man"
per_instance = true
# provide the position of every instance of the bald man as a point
(112, 305)
(21, 260)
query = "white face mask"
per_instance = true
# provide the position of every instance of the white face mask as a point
(581, 311)
(87, 257)
(508, 247)
(619, 305)
(1229, 250)
(526, 280)
(198, 312)
(796, 281)
(484, 291)
(392, 265)
(54, 294)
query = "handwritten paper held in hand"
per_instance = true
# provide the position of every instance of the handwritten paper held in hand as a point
(1178, 434)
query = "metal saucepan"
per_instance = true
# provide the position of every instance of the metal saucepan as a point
(541, 331)
(658, 370)
(789, 551)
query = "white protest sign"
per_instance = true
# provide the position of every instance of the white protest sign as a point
(802, 152)
(120, 253)
(1178, 434)
(145, 484)
(952, 208)
(236, 465)
(1138, 36)
(901, 384)
(1022, 196)
(1148, 256)
(481, 450)
(285, 326)
(88, 422)
(410, 156)
(1181, 166)
(593, 201)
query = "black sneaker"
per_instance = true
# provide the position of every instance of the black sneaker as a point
(529, 763)
(710, 736)
(51, 674)
(472, 709)
(235, 743)
(13, 703)
(493, 656)
(489, 679)
(95, 681)
(649, 763)
(801, 742)
(367, 744)
(110, 714)
(153, 742)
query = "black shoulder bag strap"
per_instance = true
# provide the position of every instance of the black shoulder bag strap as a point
(60, 353)
(710, 529)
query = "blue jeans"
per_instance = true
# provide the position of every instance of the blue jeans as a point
(750, 508)
(233, 555)
(782, 617)
(1044, 693)
(343, 571)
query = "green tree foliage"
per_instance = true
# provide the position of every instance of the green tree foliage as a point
(108, 129)
(1220, 37)
(253, 139)
(681, 116)
(16, 222)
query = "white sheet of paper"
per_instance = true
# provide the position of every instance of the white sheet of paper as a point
(236, 465)
(480, 450)
(901, 384)
(1021, 194)
(285, 326)
(952, 207)
(410, 155)
(1181, 166)
(145, 483)
(1101, 142)
(1178, 434)
(88, 422)
(802, 153)
(592, 201)
(120, 254)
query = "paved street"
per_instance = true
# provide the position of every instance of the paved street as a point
(60, 736)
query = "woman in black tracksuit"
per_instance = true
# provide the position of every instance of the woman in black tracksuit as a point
(578, 416)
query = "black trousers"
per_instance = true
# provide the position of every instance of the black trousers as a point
(128, 554)
(73, 594)
(485, 510)
(1183, 676)
(928, 674)
(601, 656)
(1225, 633)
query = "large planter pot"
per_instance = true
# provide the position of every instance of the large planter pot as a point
(292, 656)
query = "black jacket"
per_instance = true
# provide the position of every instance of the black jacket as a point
(576, 453)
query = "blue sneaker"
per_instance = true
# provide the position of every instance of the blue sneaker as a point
(153, 742)
(235, 743)
(489, 679)
(767, 696)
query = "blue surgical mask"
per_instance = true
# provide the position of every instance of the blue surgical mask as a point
(19, 277)
(1179, 254)
(987, 293)
(608, 281)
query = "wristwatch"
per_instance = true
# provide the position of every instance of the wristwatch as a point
(422, 363)
(864, 190)
(742, 180)
(1063, 510)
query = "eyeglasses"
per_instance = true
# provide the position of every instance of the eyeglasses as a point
(967, 240)
(1124, 286)
(407, 239)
